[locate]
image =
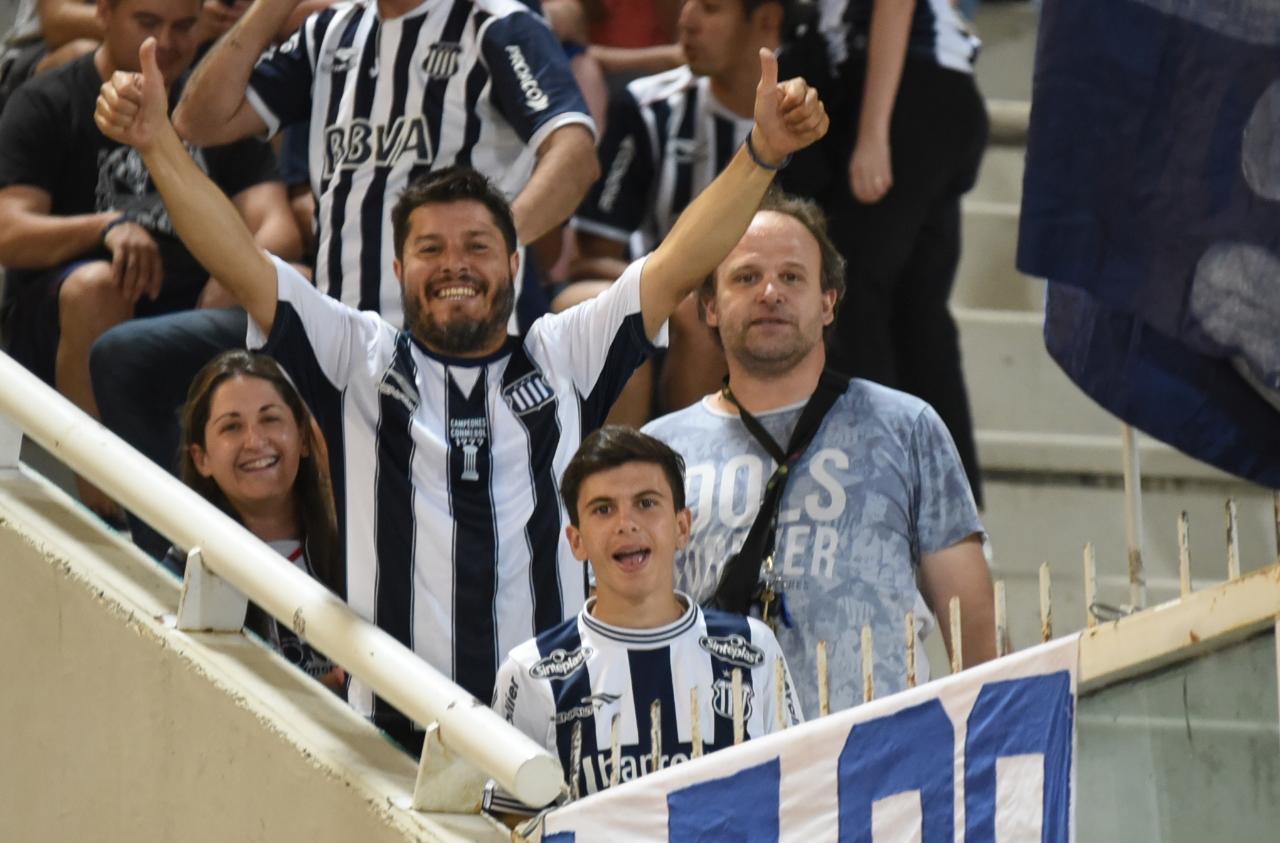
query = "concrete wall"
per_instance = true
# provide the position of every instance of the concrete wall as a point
(114, 726)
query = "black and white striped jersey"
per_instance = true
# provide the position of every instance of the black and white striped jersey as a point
(666, 139)
(446, 471)
(586, 671)
(474, 82)
(937, 32)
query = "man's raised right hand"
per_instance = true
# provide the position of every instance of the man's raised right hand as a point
(133, 108)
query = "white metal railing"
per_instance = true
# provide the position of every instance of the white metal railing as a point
(459, 728)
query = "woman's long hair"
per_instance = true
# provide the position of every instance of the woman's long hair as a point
(312, 493)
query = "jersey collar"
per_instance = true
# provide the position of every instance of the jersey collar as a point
(512, 342)
(643, 639)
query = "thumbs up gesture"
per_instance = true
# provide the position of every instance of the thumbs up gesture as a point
(789, 116)
(133, 108)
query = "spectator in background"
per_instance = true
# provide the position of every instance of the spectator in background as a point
(249, 447)
(873, 514)
(668, 136)
(624, 493)
(908, 131)
(85, 238)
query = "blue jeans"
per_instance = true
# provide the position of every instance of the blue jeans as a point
(141, 371)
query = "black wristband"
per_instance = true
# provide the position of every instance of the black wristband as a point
(755, 159)
(106, 229)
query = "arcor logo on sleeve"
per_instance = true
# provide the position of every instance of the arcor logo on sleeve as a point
(534, 98)
(560, 663)
(733, 649)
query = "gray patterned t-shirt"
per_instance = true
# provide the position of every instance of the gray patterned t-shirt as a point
(879, 486)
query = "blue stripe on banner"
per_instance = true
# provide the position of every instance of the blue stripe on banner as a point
(561, 837)
(475, 537)
(542, 426)
(373, 210)
(741, 807)
(651, 680)
(394, 522)
(340, 192)
(571, 692)
(897, 754)
(721, 625)
(476, 80)
(1020, 717)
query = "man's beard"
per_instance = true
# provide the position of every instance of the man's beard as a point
(767, 360)
(462, 337)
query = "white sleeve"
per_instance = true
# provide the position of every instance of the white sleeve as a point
(600, 342)
(318, 340)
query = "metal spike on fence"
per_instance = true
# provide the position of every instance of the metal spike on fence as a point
(868, 665)
(615, 751)
(824, 691)
(1002, 619)
(1184, 555)
(779, 693)
(695, 724)
(957, 636)
(1133, 518)
(911, 649)
(655, 735)
(575, 760)
(739, 726)
(1090, 586)
(1233, 541)
(1046, 603)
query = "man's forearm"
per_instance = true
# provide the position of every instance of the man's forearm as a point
(38, 241)
(62, 22)
(217, 87)
(566, 169)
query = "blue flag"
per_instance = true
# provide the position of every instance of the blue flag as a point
(1151, 202)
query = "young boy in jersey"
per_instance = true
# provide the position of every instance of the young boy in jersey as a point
(638, 639)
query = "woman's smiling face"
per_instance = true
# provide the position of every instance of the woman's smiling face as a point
(252, 444)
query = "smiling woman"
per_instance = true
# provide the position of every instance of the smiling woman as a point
(250, 448)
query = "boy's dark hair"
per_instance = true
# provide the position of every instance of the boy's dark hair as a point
(612, 446)
(452, 184)
(808, 214)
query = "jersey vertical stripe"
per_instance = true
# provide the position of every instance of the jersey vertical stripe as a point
(667, 138)
(534, 405)
(475, 540)
(398, 399)
(391, 99)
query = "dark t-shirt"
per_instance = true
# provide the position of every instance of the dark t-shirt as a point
(48, 140)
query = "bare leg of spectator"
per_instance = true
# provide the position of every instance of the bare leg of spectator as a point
(89, 302)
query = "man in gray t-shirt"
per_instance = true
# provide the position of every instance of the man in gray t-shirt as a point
(877, 518)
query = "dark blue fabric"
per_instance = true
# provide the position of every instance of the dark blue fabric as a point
(1196, 403)
(1135, 171)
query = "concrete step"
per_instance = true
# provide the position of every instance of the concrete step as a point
(987, 277)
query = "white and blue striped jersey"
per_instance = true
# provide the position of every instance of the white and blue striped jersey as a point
(586, 671)
(667, 138)
(474, 82)
(446, 471)
(938, 34)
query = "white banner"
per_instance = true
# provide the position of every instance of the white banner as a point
(987, 755)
